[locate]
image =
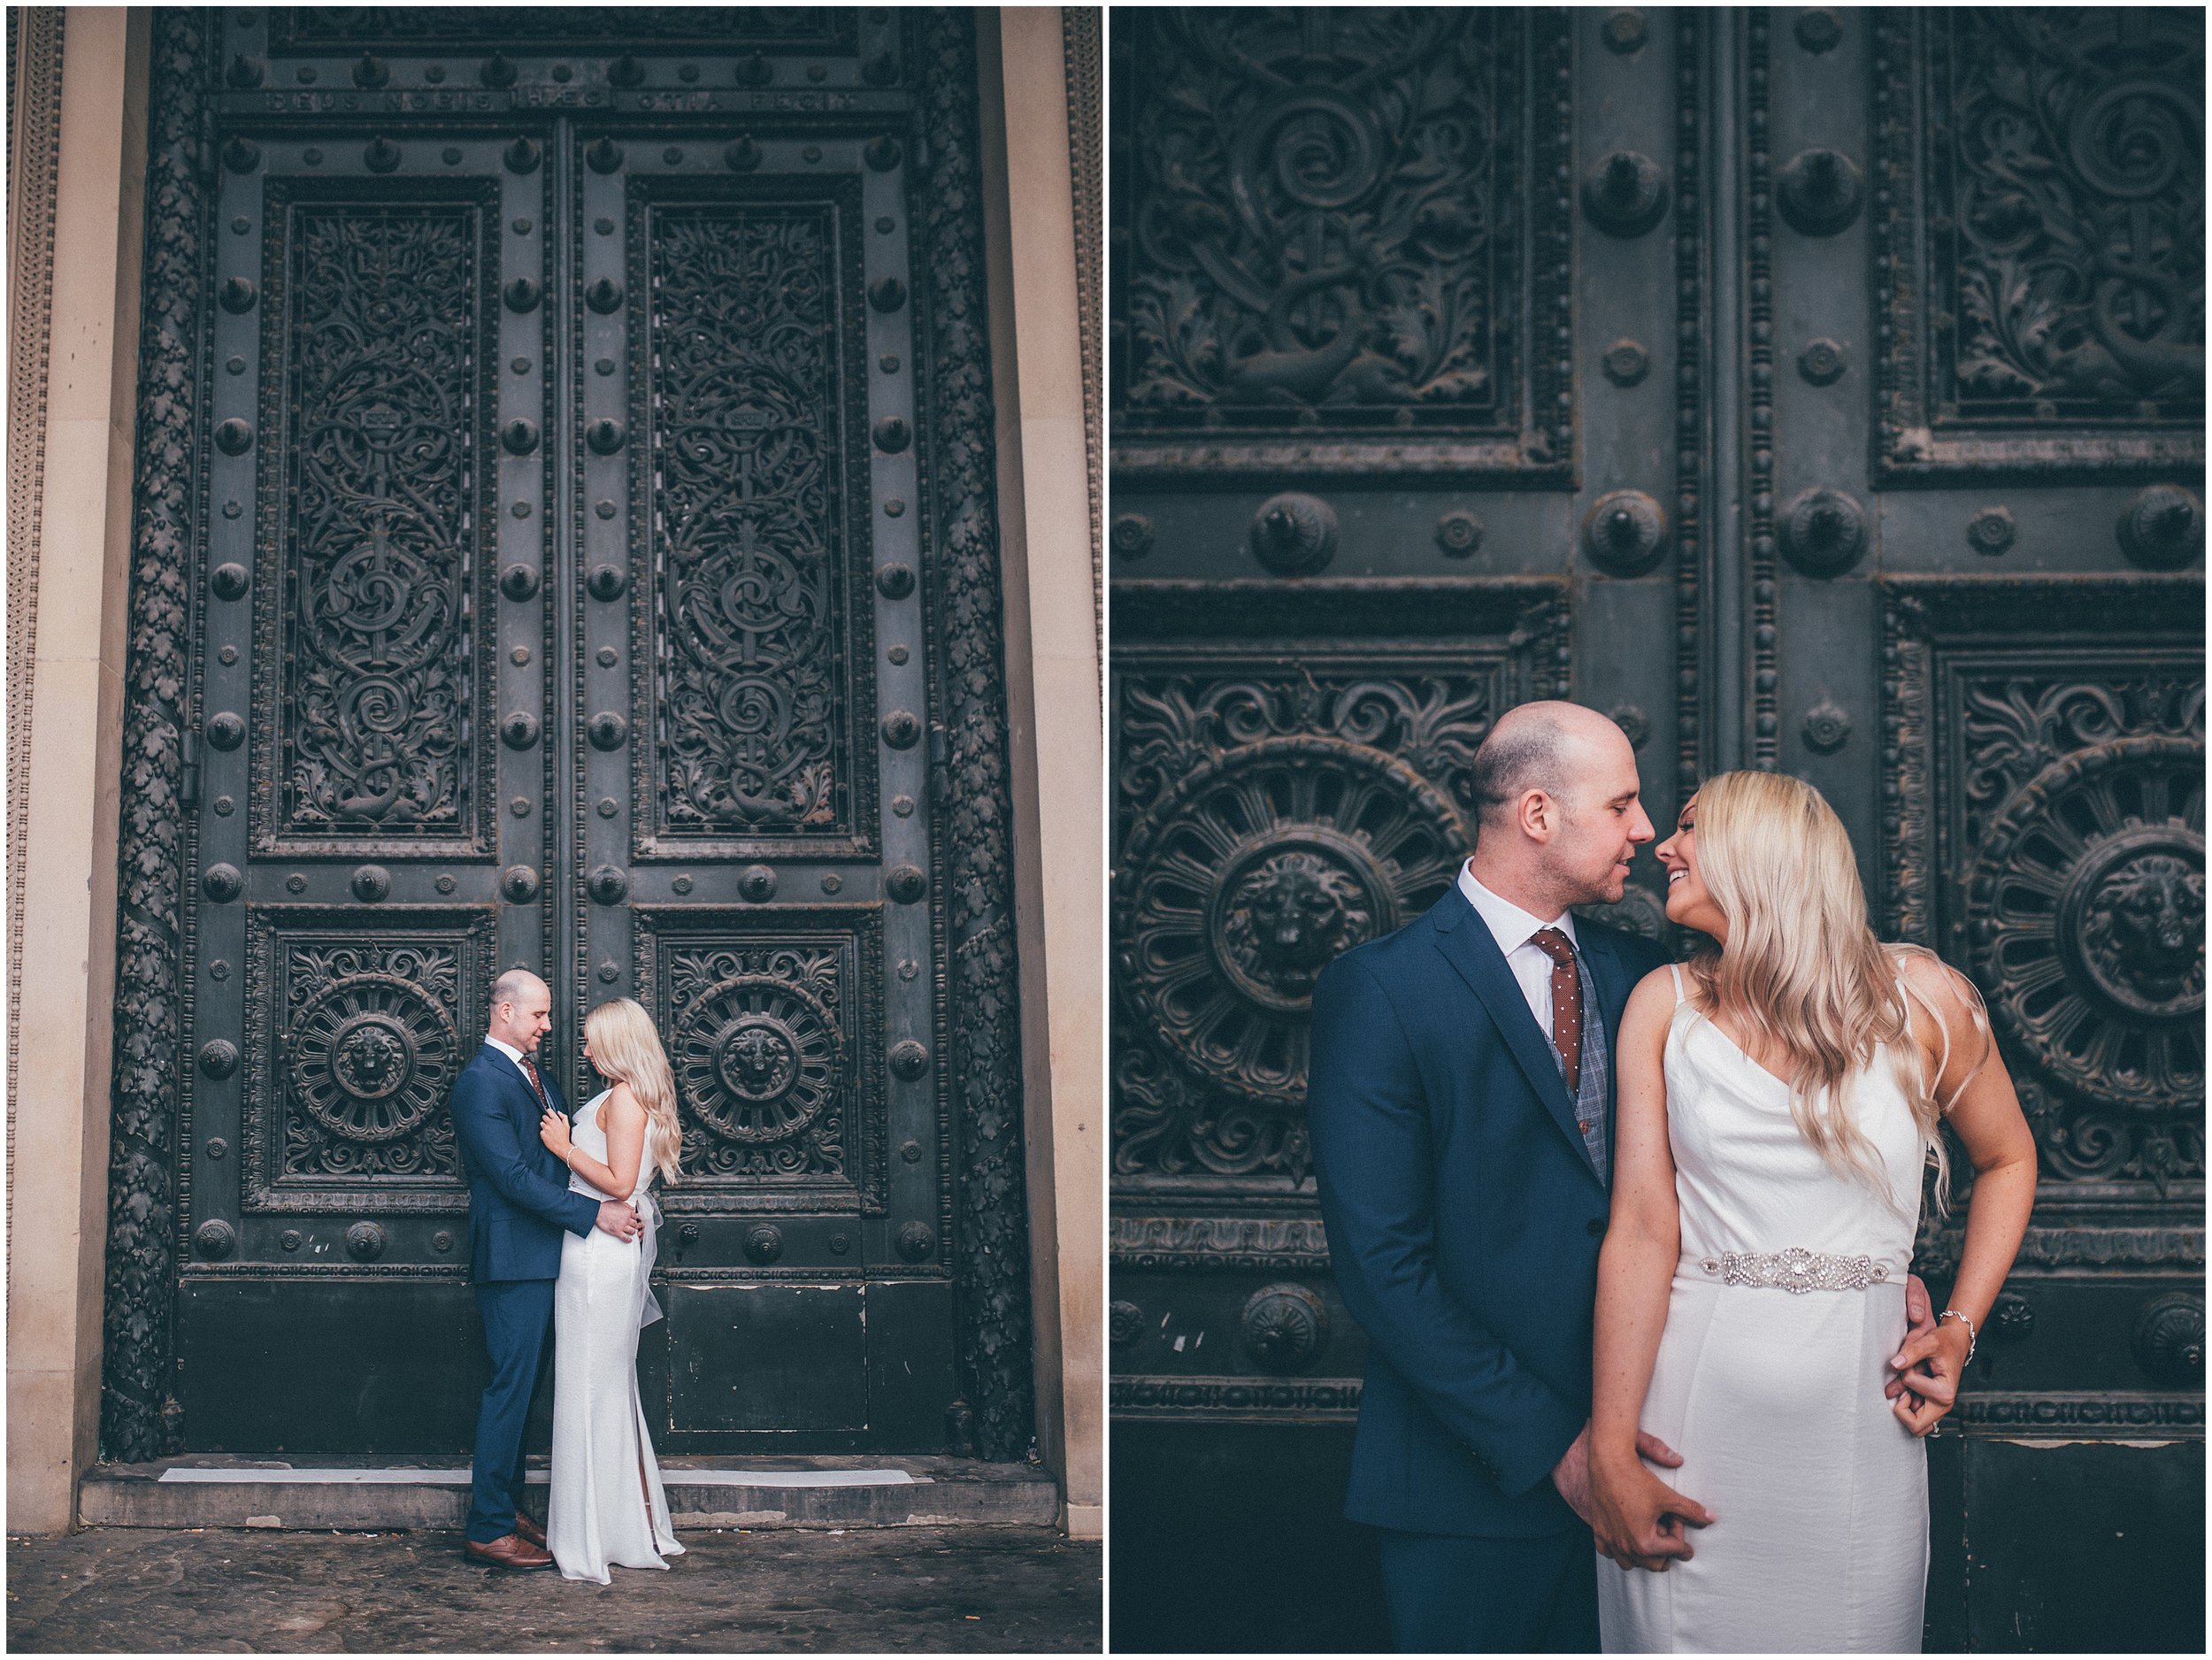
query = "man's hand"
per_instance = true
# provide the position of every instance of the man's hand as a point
(1637, 1520)
(1919, 1321)
(618, 1219)
(1572, 1474)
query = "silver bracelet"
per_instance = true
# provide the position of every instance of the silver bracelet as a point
(1952, 1314)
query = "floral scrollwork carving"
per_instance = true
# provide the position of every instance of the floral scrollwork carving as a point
(2064, 167)
(385, 337)
(138, 1355)
(759, 1050)
(2086, 906)
(988, 1249)
(1318, 208)
(749, 482)
(368, 1053)
(771, 1051)
(1270, 823)
(1251, 876)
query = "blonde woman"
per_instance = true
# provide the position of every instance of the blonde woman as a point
(607, 1505)
(1778, 1102)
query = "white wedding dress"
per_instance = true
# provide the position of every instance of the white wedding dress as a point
(1773, 1394)
(596, 1513)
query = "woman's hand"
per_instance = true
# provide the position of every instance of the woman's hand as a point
(1637, 1519)
(1931, 1364)
(553, 1131)
(1919, 1321)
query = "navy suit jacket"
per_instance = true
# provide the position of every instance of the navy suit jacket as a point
(1464, 1220)
(519, 1196)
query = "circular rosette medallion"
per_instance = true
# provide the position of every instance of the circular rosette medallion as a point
(1257, 872)
(2087, 906)
(758, 1058)
(371, 1056)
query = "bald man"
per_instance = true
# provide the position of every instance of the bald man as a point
(1461, 1106)
(519, 1204)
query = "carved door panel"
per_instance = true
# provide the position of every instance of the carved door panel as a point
(1807, 389)
(564, 606)
(1975, 542)
(1408, 422)
(752, 755)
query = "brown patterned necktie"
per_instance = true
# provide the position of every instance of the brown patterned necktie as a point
(530, 1071)
(1566, 1001)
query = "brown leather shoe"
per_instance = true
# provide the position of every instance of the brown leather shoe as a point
(529, 1530)
(511, 1551)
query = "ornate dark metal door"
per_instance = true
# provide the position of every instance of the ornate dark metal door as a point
(1808, 389)
(1977, 617)
(575, 408)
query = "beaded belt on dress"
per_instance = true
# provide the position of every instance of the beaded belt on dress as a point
(1795, 1270)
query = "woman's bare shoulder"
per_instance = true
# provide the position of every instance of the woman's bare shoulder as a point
(1933, 981)
(1650, 1004)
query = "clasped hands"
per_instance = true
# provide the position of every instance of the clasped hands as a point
(615, 1216)
(1640, 1522)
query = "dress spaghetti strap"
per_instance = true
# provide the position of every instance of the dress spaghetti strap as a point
(1675, 969)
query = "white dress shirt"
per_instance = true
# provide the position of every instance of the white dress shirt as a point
(1513, 928)
(515, 1054)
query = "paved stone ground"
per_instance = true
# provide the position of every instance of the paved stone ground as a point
(929, 1589)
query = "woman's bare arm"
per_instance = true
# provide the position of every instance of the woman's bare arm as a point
(1635, 1270)
(1978, 1099)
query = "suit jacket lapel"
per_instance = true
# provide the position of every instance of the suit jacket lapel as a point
(546, 1160)
(1610, 979)
(1467, 945)
(525, 1121)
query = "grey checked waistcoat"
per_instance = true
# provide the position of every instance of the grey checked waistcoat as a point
(1596, 1079)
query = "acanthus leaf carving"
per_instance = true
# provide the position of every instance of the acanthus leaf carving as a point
(137, 1343)
(761, 1055)
(2056, 316)
(989, 1246)
(1266, 823)
(1318, 207)
(379, 344)
(749, 488)
(2044, 829)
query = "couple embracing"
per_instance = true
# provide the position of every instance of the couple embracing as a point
(1603, 1216)
(562, 1230)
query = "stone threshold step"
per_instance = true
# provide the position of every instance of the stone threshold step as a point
(381, 1493)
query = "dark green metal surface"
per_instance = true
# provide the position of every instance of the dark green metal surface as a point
(1811, 389)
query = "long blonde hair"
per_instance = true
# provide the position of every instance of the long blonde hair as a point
(1805, 975)
(626, 1046)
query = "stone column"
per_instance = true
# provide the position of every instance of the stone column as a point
(64, 928)
(1048, 532)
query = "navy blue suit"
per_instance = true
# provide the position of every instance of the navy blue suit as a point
(518, 1204)
(1464, 1217)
